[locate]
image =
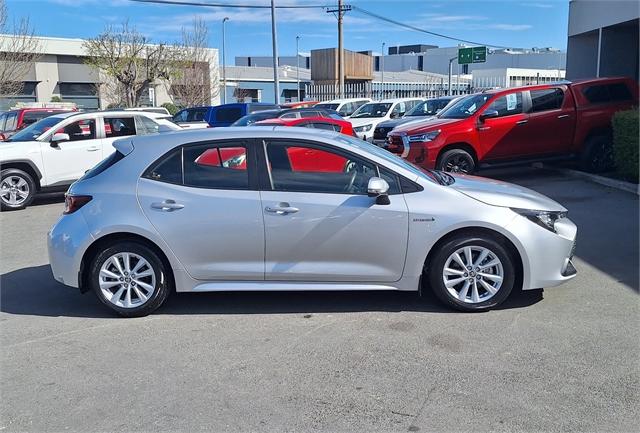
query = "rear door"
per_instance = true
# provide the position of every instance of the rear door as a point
(320, 225)
(551, 122)
(208, 213)
(501, 137)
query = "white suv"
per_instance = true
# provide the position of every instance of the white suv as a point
(57, 150)
(367, 117)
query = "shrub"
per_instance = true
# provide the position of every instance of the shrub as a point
(171, 107)
(56, 98)
(625, 143)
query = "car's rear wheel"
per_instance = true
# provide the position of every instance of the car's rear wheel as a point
(130, 278)
(456, 161)
(17, 189)
(597, 156)
(472, 273)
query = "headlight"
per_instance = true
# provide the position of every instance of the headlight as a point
(544, 218)
(363, 128)
(421, 138)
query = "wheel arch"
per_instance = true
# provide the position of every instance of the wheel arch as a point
(481, 231)
(99, 244)
(459, 145)
(25, 165)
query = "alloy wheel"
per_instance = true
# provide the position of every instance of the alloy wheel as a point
(473, 274)
(457, 164)
(127, 280)
(14, 190)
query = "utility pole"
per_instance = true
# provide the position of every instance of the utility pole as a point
(274, 40)
(224, 64)
(340, 14)
(298, 64)
(382, 70)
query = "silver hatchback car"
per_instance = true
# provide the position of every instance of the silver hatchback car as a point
(273, 208)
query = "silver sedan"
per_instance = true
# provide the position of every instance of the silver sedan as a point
(251, 209)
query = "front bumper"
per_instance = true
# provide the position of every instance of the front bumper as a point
(67, 241)
(546, 256)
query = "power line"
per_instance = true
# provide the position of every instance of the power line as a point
(417, 29)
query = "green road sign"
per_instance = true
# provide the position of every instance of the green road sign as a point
(472, 55)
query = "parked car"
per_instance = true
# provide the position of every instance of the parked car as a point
(424, 110)
(192, 118)
(344, 107)
(58, 149)
(14, 120)
(291, 113)
(571, 119)
(142, 223)
(225, 115)
(323, 123)
(366, 118)
(300, 104)
(157, 110)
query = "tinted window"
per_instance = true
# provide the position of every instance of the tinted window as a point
(309, 168)
(181, 116)
(546, 99)
(167, 169)
(210, 166)
(228, 114)
(103, 165)
(290, 115)
(196, 114)
(597, 94)
(508, 104)
(81, 130)
(619, 92)
(119, 126)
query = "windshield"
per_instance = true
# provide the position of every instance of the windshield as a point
(465, 107)
(328, 106)
(428, 108)
(250, 119)
(35, 130)
(387, 156)
(374, 109)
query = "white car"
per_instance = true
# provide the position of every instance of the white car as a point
(367, 117)
(59, 149)
(344, 107)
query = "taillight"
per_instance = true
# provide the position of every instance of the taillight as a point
(74, 202)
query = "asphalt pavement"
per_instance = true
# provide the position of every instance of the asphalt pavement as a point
(560, 360)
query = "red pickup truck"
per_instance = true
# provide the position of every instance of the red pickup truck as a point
(571, 119)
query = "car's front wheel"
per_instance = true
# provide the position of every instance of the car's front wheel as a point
(17, 189)
(456, 161)
(130, 278)
(472, 273)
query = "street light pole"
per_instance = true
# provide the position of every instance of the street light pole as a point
(298, 64)
(274, 41)
(382, 70)
(224, 64)
(450, 70)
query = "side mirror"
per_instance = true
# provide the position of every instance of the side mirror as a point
(488, 114)
(59, 137)
(379, 189)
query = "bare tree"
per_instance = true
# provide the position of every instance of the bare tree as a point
(19, 50)
(241, 95)
(195, 83)
(126, 56)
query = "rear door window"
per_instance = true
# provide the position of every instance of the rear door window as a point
(619, 92)
(214, 166)
(597, 94)
(119, 126)
(546, 99)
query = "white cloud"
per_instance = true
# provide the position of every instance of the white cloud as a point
(511, 27)
(538, 5)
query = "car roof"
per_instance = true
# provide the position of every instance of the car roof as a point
(342, 101)
(393, 100)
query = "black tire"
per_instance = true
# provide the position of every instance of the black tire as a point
(597, 155)
(438, 262)
(456, 161)
(7, 177)
(163, 283)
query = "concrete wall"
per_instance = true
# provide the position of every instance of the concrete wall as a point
(265, 87)
(587, 15)
(582, 55)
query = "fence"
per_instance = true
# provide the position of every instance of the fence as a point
(433, 89)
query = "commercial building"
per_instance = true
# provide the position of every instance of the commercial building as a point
(255, 83)
(61, 71)
(603, 38)
(513, 77)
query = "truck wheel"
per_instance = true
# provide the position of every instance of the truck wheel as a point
(456, 161)
(17, 189)
(597, 155)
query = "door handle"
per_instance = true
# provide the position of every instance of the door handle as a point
(484, 128)
(92, 149)
(521, 122)
(167, 205)
(563, 116)
(281, 209)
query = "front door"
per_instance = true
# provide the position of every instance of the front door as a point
(208, 213)
(67, 161)
(321, 226)
(502, 137)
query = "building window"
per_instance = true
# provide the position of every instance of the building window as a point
(247, 95)
(27, 94)
(84, 95)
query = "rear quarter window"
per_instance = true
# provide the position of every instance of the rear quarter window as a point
(228, 114)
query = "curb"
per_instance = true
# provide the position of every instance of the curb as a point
(611, 183)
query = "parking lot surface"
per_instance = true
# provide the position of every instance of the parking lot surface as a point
(562, 359)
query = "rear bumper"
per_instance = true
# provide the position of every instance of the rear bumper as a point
(67, 241)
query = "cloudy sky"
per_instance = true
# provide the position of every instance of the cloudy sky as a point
(511, 23)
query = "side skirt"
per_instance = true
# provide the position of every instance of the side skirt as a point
(269, 286)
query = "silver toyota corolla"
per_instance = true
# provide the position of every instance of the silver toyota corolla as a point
(295, 209)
